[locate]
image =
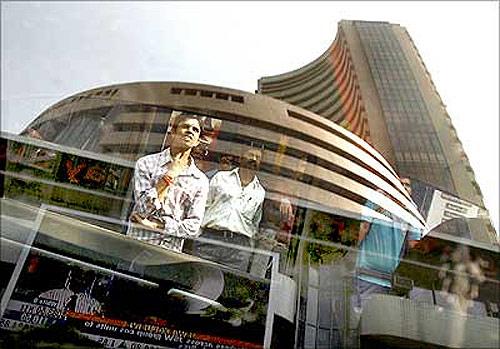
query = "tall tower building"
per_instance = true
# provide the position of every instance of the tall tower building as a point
(372, 81)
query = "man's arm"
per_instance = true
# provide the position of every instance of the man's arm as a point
(213, 184)
(190, 224)
(145, 194)
(164, 182)
(286, 211)
(364, 227)
(413, 238)
(257, 217)
(412, 243)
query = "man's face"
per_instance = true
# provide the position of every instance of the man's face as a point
(406, 184)
(226, 162)
(251, 159)
(187, 133)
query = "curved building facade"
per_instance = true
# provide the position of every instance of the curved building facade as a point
(372, 81)
(340, 170)
(333, 206)
(328, 86)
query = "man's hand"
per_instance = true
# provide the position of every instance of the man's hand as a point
(162, 186)
(286, 210)
(177, 165)
(152, 225)
(137, 218)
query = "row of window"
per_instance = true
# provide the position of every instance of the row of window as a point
(417, 149)
(207, 94)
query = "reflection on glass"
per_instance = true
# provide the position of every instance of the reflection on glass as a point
(233, 213)
(169, 190)
(270, 253)
(381, 246)
(461, 276)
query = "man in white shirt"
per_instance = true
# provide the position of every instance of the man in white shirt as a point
(233, 212)
(226, 163)
(170, 191)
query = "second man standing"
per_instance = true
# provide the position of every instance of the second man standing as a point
(233, 213)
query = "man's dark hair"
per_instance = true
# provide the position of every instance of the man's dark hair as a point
(187, 116)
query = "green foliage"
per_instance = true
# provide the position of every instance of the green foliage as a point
(422, 276)
(37, 193)
(238, 291)
(324, 227)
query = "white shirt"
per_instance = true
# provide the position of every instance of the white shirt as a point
(233, 207)
(183, 208)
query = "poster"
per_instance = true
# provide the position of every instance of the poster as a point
(445, 206)
(119, 306)
(119, 312)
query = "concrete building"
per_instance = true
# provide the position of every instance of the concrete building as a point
(372, 81)
(337, 137)
(82, 163)
(84, 157)
(340, 170)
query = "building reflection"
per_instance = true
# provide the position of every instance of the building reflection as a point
(334, 213)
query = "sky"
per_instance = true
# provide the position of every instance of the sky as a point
(51, 50)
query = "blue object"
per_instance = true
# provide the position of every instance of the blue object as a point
(380, 251)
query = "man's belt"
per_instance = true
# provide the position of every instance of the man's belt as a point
(225, 233)
(374, 273)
